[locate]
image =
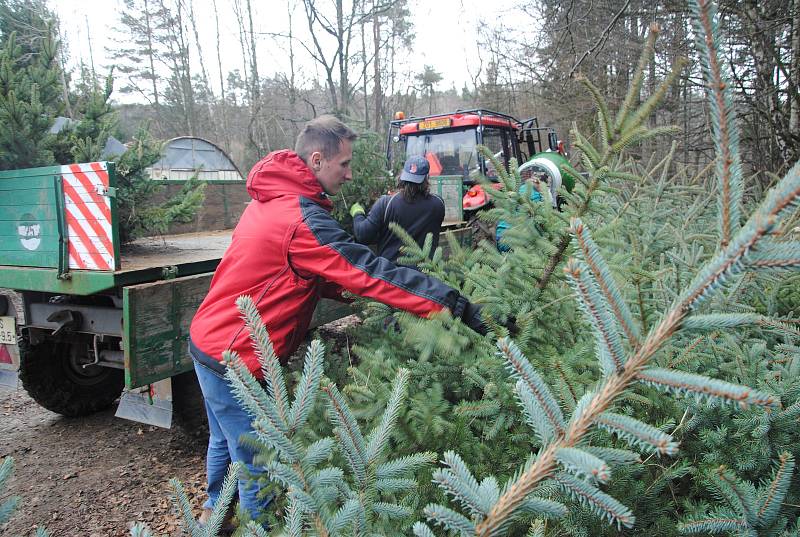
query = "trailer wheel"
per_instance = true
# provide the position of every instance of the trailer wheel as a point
(52, 373)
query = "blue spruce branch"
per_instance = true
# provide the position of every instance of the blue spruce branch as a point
(348, 431)
(449, 519)
(458, 482)
(726, 133)
(248, 392)
(701, 387)
(775, 491)
(598, 501)
(520, 367)
(534, 414)
(637, 433)
(380, 435)
(609, 346)
(270, 366)
(602, 274)
(307, 389)
(583, 464)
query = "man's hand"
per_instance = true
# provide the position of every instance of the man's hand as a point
(356, 208)
(470, 315)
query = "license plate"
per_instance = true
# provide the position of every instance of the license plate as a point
(8, 331)
(434, 124)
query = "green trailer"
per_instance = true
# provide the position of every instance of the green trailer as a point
(84, 321)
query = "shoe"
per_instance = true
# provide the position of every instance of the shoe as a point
(227, 528)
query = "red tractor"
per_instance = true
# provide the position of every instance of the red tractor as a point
(449, 142)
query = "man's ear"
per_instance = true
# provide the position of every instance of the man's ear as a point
(315, 161)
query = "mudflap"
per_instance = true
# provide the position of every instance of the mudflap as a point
(151, 404)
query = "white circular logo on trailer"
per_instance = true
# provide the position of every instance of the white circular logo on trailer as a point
(30, 232)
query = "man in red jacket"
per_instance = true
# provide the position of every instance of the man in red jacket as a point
(287, 252)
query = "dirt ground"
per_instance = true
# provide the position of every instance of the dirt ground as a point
(96, 476)
(93, 476)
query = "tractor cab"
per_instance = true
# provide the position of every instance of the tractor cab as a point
(450, 144)
(450, 141)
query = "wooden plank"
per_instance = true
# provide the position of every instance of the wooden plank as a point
(36, 196)
(12, 212)
(156, 327)
(15, 184)
(30, 172)
(41, 258)
(11, 234)
(88, 214)
(28, 227)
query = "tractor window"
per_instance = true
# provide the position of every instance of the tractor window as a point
(497, 141)
(448, 152)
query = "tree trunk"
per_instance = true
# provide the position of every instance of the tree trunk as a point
(364, 65)
(150, 51)
(225, 138)
(377, 87)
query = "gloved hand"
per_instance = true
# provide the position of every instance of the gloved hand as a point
(470, 315)
(356, 208)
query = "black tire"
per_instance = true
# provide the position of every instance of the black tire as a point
(52, 374)
(189, 409)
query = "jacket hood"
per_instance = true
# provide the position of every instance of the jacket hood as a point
(283, 173)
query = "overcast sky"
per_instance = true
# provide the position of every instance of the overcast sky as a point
(445, 34)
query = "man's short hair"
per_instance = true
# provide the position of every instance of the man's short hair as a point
(323, 134)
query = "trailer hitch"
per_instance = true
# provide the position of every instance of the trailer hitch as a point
(68, 321)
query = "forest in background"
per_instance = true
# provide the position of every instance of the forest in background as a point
(530, 69)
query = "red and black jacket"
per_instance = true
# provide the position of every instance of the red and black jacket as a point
(287, 252)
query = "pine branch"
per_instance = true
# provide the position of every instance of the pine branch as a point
(348, 432)
(449, 519)
(422, 530)
(713, 525)
(8, 507)
(522, 368)
(700, 386)
(270, 366)
(603, 118)
(778, 255)
(535, 415)
(776, 491)
(596, 309)
(307, 389)
(459, 482)
(380, 436)
(599, 502)
(635, 88)
(726, 133)
(737, 495)
(583, 464)
(248, 391)
(638, 433)
(594, 259)
(294, 520)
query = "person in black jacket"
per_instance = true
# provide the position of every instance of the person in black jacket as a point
(413, 207)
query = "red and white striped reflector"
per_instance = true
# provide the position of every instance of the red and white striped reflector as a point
(88, 211)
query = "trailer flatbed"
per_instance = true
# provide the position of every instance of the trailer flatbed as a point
(144, 260)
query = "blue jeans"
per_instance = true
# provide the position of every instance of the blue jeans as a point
(227, 422)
